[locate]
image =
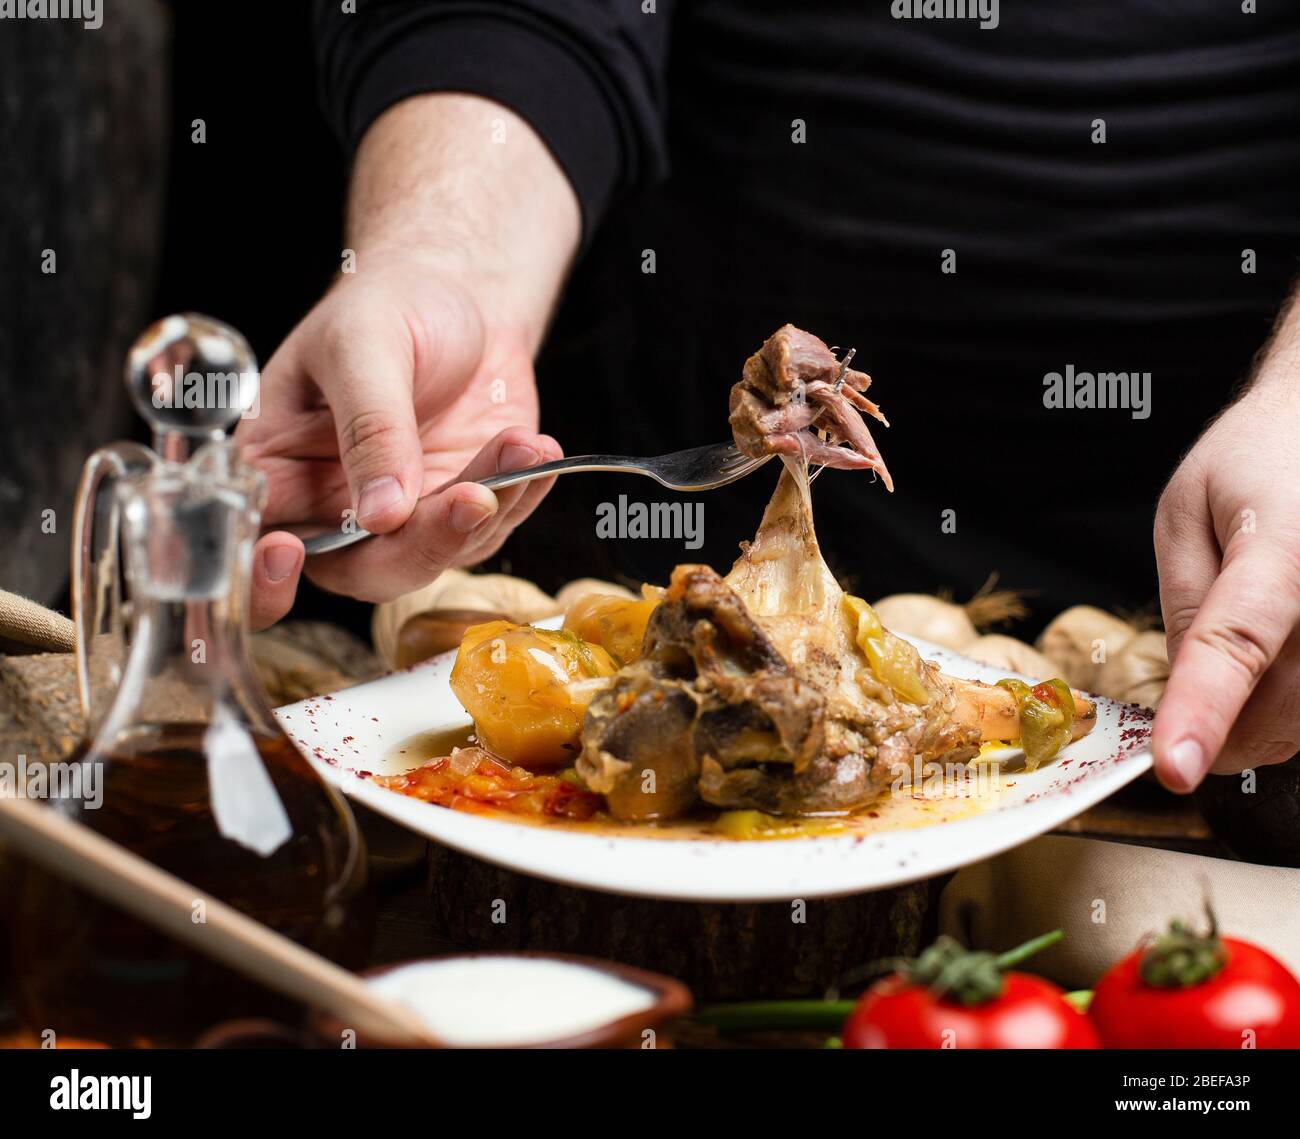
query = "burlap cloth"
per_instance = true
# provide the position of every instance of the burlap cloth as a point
(40, 713)
(1107, 896)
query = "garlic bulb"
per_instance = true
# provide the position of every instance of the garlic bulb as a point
(582, 586)
(1009, 653)
(932, 618)
(1080, 640)
(520, 600)
(1138, 672)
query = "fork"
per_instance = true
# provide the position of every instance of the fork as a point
(698, 468)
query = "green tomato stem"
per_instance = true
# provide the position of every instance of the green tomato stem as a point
(1013, 957)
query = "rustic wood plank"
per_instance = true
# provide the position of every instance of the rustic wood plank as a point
(81, 131)
(722, 952)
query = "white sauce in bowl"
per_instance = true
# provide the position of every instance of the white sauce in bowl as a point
(505, 1001)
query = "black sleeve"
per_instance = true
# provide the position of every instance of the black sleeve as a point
(588, 75)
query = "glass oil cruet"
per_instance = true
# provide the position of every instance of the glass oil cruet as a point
(184, 763)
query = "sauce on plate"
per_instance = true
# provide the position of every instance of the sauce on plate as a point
(444, 768)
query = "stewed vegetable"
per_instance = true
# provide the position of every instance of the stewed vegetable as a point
(1046, 717)
(894, 661)
(617, 624)
(528, 689)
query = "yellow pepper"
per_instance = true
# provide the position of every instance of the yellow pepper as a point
(757, 825)
(894, 661)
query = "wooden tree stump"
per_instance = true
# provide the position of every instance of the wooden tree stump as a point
(722, 952)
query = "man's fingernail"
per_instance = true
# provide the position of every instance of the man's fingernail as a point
(378, 496)
(515, 456)
(467, 516)
(279, 562)
(1187, 760)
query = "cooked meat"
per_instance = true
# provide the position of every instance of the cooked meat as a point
(709, 684)
(827, 786)
(752, 693)
(769, 689)
(638, 745)
(788, 394)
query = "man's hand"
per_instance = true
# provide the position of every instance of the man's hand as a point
(391, 392)
(1227, 537)
(414, 373)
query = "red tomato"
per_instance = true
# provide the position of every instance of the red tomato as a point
(1028, 1013)
(1252, 993)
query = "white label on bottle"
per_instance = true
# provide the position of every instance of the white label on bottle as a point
(245, 803)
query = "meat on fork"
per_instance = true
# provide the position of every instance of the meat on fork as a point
(762, 690)
(788, 394)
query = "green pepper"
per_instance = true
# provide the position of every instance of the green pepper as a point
(1046, 717)
(894, 661)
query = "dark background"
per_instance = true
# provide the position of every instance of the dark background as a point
(252, 227)
(253, 217)
(252, 232)
(1122, 257)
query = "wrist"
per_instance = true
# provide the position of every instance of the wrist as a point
(1277, 374)
(462, 187)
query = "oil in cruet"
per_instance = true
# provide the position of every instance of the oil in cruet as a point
(184, 762)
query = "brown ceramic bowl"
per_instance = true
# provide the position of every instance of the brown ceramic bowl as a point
(253, 1032)
(672, 1000)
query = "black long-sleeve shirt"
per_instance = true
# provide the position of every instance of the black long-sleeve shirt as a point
(828, 164)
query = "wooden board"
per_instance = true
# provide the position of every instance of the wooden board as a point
(721, 952)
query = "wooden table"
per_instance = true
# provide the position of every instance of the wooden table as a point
(1142, 814)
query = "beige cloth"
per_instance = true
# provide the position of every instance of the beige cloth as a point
(1107, 896)
(29, 625)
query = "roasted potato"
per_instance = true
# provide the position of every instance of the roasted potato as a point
(617, 624)
(528, 690)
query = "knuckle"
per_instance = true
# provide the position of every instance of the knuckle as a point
(1181, 583)
(1167, 502)
(1179, 620)
(336, 339)
(1173, 513)
(426, 558)
(428, 561)
(1268, 752)
(367, 432)
(342, 321)
(483, 550)
(1239, 644)
(1253, 750)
